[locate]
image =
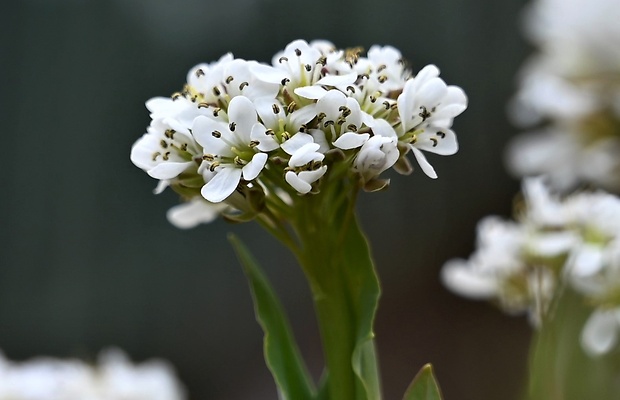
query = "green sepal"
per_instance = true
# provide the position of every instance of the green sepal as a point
(282, 355)
(424, 386)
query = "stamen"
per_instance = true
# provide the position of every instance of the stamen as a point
(424, 114)
(441, 134)
(243, 84)
(166, 156)
(270, 132)
(232, 126)
(291, 107)
(382, 78)
(229, 79)
(199, 72)
(285, 81)
(254, 143)
(163, 144)
(281, 59)
(213, 166)
(208, 157)
(321, 116)
(216, 91)
(308, 67)
(328, 123)
(351, 89)
(297, 52)
(381, 67)
(203, 105)
(434, 142)
(216, 111)
(155, 155)
(275, 108)
(387, 105)
(170, 133)
(352, 128)
(216, 134)
(176, 95)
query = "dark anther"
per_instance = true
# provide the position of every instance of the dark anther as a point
(216, 134)
(275, 108)
(424, 114)
(243, 84)
(352, 128)
(308, 67)
(351, 89)
(203, 105)
(199, 72)
(216, 91)
(387, 105)
(441, 134)
(298, 52)
(285, 81)
(434, 142)
(328, 123)
(166, 156)
(291, 107)
(229, 79)
(163, 144)
(216, 111)
(232, 126)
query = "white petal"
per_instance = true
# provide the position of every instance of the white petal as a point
(168, 170)
(306, 154)
(438, 141)
(600, 332)
(298, 184)
(310, 92)
(459, 277)
(587, 260)
(242, 112)
(203, 129)
(222, 185)
(337, 80)
(296, 142)
(268, 73)
(319, 137)
(424, 164)
(254, 167)
(266, 142)
(351, 140)
(192, 213)
(432, 92)
(312, 176)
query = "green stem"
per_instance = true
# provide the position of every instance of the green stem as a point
(332, 274)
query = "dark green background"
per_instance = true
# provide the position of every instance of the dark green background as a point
(88, 260)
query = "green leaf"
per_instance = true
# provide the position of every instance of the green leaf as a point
(364, 291)
(424, 386)
(281, 352)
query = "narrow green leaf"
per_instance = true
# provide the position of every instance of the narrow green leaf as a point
(364, 291)
(281, 352)
(424, 386)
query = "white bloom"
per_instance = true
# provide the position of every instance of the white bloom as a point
(228, 149)
(305, 162)
(297, 65)
(427, 107)
(166, 150)
(194, 212)
(114, 378)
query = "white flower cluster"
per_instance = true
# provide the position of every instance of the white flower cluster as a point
(114, 378)
(571, 87)
(242, 126)
(553, 244)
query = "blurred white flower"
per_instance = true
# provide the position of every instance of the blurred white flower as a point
(113, 378)
(570, 85)
(553, 244)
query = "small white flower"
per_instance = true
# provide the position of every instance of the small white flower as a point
(304, 163)
(427, 107)
(166, 150)
(228, 149)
